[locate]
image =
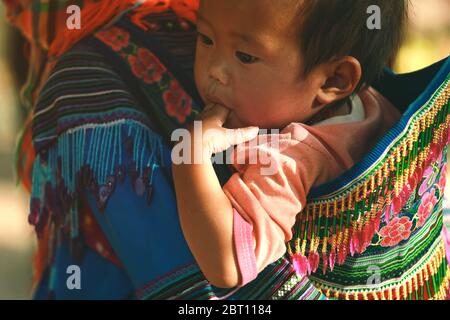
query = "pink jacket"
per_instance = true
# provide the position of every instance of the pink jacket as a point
(266, 206)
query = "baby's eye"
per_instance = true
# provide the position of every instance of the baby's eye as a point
(246, 58)
(205, 40)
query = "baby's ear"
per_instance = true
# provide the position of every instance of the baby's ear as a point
(341, 77)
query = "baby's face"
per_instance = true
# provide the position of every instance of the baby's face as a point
(248, 59)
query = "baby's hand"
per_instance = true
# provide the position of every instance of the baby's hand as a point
(216, 138)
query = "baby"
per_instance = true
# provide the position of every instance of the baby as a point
(300, 66)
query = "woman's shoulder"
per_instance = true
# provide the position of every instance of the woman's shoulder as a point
(83, 89)
(80, 71)
(89, 131)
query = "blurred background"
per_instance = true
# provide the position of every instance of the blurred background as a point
(16, 237)
(428, 41)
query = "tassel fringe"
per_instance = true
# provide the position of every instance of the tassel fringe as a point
(429, 282)
(93, 158)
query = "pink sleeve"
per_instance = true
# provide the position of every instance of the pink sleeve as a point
(245, 248)
(266, 206)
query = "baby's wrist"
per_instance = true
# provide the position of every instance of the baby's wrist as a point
(200, 149)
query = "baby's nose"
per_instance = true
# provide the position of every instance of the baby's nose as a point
(218, 71)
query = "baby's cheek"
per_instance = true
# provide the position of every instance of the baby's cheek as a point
(256, 107)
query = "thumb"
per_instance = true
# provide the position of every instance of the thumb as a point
(215, 111)
(241, 135)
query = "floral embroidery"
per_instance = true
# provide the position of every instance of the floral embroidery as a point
(443, 180)
(415, 203)
(396, 206)
(426, 207)
(146, 66)
(430, 175)
(178, 103)
(115, 37)
(397, 230)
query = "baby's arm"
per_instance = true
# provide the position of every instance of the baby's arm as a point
(206, 217)
(206, 214)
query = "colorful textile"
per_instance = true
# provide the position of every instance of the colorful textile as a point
(43, 23)
(101, 134)
(386, 213)
(105, 98)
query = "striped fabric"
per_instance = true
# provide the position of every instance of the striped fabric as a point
(277, 282)
(43, 23)
(83, 91)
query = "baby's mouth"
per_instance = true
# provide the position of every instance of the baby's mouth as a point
(215, 100)
(212, 96)
(233, 122)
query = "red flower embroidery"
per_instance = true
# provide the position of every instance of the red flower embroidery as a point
(178, 102)
(115, 37)
(426, 207)
(397, 230)
(146, 66)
